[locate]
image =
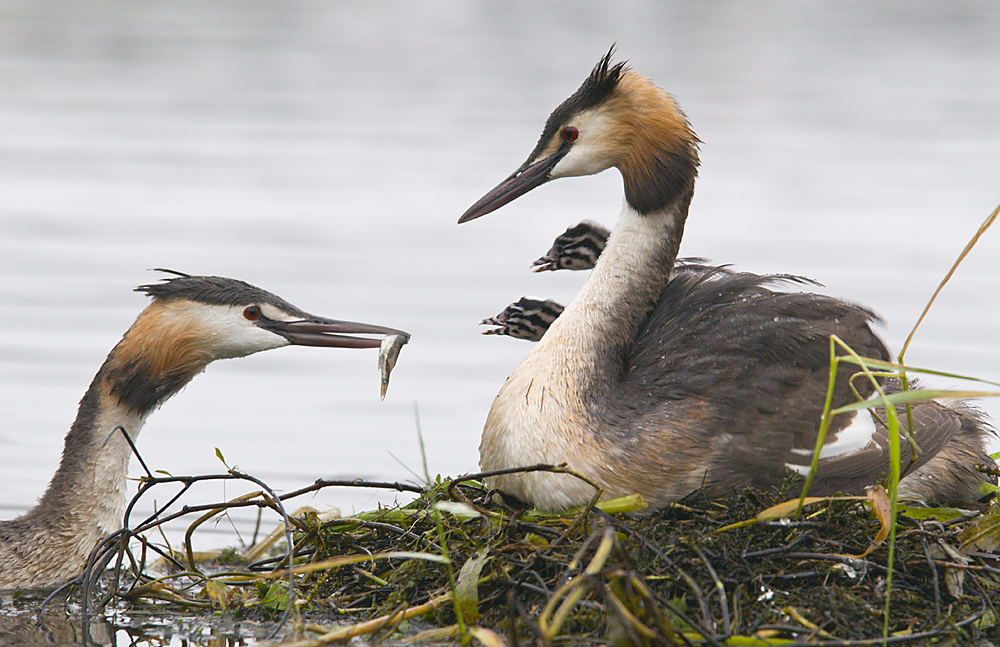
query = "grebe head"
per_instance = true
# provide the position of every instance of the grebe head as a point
(617, 118)
(195, 320)
(237, 319)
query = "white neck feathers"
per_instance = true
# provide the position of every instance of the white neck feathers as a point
(543, 412)
(108, 468)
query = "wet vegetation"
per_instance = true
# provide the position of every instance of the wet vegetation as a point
(460, 564)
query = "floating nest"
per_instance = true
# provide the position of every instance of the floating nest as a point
(459, 564)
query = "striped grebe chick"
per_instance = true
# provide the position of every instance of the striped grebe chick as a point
(575, 249)
(663, 387)
(527, 318)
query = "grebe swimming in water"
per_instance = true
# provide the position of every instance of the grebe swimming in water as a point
(192, 321)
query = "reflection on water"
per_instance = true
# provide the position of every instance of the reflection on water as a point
(20, 625)
(59, 625)
(324, 152)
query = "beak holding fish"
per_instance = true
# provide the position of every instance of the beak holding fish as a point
(310, 330)
(387, 354)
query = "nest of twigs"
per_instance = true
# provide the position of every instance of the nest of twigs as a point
(459, 564)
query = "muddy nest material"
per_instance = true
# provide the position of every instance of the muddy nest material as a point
(679, 576)
(459, 563)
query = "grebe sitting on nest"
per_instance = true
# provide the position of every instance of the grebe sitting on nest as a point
(709, 381)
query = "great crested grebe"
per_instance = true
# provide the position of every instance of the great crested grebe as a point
(711, 381)
(192, 321)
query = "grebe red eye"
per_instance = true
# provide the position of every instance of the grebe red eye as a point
(570, 134)
(252, 313)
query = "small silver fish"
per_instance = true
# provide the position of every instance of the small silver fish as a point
(388, 352)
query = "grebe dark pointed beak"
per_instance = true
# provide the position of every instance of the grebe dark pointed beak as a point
(524, 179)
(318, 331)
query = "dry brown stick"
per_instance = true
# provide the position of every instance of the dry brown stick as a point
(369, 626)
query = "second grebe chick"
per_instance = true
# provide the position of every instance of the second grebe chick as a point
(651, 386)
(191, 322)
(527, 318)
